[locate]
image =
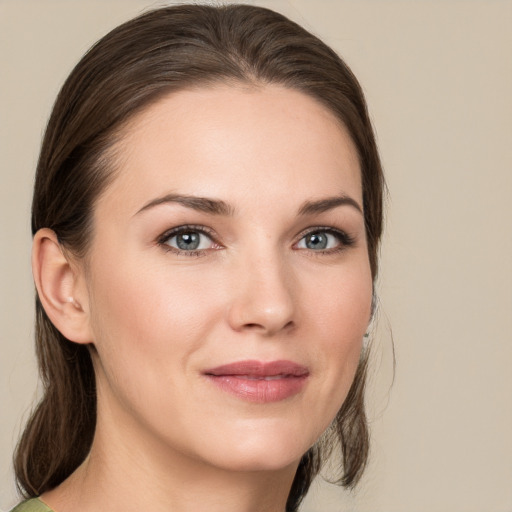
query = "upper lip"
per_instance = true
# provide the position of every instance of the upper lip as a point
(253, 368)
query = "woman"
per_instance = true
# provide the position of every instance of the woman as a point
(206, 218)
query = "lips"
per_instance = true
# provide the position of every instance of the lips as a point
(260, 382)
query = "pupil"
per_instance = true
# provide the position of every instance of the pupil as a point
(188, 241)
(316, 241)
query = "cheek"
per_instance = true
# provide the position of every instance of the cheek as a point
(342, 306)
(152, 322)
(148, 326)
(343, 314)
(149, 311)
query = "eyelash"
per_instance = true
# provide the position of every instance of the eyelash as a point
(344, 239)
(188, 228)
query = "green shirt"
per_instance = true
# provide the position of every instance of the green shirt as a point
(33, 505)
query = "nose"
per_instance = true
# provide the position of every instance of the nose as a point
(263, 298)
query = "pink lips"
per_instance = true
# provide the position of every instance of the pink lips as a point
(261, 382)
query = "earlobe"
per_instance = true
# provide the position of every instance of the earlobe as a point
(60, 287)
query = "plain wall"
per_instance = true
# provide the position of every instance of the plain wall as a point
(438, 79)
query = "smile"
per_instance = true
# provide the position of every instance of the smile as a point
(260, 382)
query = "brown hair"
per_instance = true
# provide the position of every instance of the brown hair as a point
(161, 51)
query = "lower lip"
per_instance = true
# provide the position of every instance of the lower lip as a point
(260, 390)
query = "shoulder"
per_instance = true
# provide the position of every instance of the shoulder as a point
(33, 505)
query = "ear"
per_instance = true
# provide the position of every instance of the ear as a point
(61, 287)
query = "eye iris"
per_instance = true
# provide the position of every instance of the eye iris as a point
(316, 241)
(188, 241)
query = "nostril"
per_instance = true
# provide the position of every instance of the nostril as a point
(262, 327)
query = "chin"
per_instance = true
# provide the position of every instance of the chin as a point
(263, 449)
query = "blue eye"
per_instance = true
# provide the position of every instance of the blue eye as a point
(324, 240)
(187, 239)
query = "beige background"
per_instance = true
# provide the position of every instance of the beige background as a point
(438, 78)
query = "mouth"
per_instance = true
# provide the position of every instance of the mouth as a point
(260, 382)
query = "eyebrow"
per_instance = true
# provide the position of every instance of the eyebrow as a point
(202, 204)
(323, 205)
(219, 207)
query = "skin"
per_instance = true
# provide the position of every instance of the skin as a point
(167, 438)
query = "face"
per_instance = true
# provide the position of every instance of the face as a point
(228, 277)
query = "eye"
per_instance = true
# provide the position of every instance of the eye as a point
(187, 239)
(325, 240)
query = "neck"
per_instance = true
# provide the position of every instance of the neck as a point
(127, 472)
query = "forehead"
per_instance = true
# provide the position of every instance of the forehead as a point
(235, 140)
